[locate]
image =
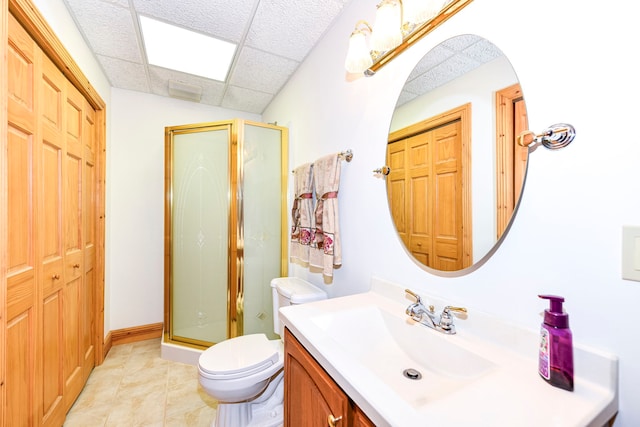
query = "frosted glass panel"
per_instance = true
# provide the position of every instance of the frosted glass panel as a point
(262, 225)
(200, 235)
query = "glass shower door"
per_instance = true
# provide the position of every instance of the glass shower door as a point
(200, 235)
(263, 185)
(225, 232)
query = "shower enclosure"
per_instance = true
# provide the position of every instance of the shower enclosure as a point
(225, 229)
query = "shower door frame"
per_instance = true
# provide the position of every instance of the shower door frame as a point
(235, 279)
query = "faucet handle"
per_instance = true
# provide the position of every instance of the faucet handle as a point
(431, 308)
(448, 309)
(413, 294)
(446, 320)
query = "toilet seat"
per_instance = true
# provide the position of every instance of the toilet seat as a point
(239, 357)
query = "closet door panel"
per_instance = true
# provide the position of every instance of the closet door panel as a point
(73, 184)
(52, 384)
(89, 236)
(420, 191)
(21, 203)
(396, 187)
(22, 268)
(51, 213)
(20, 83)
(20, 378)
(448, 231)
(71, 326)
(73, 253)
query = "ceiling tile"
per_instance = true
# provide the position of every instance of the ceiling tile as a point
(483, 51)
(291, 28)
(238, 98)
(108, 28)
(436, 56)
(405, 97)
(262, 71)
(125, 74)
(459, 43)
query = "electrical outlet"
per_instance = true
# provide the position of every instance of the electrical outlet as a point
(631, 253)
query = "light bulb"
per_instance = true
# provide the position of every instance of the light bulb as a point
(358, 56)
(387, 32)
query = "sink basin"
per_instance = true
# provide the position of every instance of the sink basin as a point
(485, 375)
(388, 345)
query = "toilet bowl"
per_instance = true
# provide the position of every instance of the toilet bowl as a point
(245, 374)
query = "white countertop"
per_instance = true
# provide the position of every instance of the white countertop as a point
(511, 394)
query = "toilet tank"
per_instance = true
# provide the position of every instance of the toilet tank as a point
(290, 291)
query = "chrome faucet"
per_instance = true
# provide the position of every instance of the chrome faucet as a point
(427, 316)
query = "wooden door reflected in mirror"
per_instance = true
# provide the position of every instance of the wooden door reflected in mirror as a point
(452, 200)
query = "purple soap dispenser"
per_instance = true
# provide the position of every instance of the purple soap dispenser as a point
(555, 363)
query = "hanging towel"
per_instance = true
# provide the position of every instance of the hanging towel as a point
(325, 251)
(302, 213)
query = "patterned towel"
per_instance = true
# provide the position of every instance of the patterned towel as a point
(302, 213)
(326, 250)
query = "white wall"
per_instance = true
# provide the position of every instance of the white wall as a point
(136, 192)
(574, 63)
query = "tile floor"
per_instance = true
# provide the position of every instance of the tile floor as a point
(134, 387)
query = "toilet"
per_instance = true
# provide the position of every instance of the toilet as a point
(245, 374)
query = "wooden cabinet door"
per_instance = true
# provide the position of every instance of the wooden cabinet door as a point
(360, 419)
(310, 396)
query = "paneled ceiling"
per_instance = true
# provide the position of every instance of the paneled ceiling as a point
(273, 37)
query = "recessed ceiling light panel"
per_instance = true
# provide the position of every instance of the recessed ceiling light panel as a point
(174, 47)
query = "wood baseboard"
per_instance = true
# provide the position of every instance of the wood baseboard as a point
(134, 334)
(106, 346)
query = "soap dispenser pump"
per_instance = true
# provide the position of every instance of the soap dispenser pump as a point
(555, 362)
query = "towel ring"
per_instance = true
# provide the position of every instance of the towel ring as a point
(554, 137)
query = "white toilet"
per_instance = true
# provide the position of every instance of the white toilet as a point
(245, 374)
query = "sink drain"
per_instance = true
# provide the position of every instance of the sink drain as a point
(412, 374)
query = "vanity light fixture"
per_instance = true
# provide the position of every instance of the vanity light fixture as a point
(398, 25)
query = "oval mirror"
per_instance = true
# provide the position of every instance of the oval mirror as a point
(456, 173)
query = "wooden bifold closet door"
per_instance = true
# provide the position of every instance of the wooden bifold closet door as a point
(425, 195)
(51, 243)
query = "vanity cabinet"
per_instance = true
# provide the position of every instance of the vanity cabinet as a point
(311, 397)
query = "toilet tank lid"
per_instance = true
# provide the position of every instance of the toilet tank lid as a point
(297, 290)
